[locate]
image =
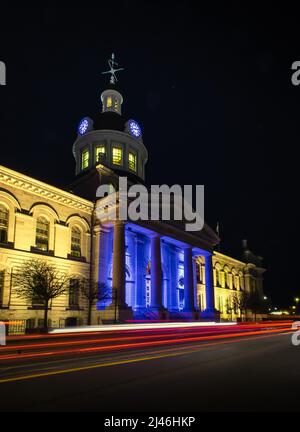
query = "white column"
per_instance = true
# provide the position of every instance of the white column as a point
(209, 284)
(189, 301)
(119, 264)
(140, 284)
(156, 273)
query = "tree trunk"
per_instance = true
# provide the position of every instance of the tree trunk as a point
(45, 329)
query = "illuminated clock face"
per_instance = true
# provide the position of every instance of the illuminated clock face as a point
(83, 126)
(135, 129)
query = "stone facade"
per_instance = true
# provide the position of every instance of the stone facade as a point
(25, 200)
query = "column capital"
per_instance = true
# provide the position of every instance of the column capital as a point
(154, 235)
(119, 223)
(100, 229)
(139, 240)
(187, 246)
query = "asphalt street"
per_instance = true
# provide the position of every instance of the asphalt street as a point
(251, 372)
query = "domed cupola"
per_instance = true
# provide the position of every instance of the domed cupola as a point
(109, 139)
(111, 101)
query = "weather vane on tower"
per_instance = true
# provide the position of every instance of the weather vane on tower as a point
(112, 71)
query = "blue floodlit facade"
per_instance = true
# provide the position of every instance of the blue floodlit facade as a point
(138, 274)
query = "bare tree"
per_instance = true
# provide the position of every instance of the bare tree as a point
(38, 281)
(229, 306)
(94, 291)
(240, 301)
(255, 303)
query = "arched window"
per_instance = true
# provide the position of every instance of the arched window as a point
(241, 281)
(76, 242)
(199, 272)
(109, 102)
(218, 277)
(3, 224)
(42, 234)
(227, 277)
(233, 278)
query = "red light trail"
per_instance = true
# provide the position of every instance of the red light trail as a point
(190, 335)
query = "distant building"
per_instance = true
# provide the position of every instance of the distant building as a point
(154, 270)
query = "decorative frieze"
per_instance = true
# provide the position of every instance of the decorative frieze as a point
(24, 183)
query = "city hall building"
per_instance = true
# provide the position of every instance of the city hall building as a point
(153, 270)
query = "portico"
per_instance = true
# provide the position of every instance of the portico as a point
(154, 274)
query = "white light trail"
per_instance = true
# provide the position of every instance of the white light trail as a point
(141, 326)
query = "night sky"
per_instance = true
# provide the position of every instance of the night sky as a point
(213, 94)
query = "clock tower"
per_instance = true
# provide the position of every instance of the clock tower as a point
(108, 145)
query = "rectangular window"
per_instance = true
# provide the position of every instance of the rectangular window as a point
(117, 156)
(132, 161)
(1, 286)
(76, 242)
(74, 292)
(100, 153)
(42, 234)
(37, 302)
(85, 159)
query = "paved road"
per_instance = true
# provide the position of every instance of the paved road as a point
(250, 373)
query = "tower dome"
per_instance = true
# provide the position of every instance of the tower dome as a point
(109, 139)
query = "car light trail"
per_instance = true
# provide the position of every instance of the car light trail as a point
(144, 326)
(159, 355)
(141, 344)
(103, 330)
(114, 339)
(190, 332)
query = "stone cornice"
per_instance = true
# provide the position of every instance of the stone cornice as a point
(28, 184)
(227, 259)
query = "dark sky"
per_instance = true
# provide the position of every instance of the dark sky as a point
(213, 94)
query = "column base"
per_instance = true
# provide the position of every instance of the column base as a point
(211, 315)
(116, 315)
(151, 314)
(161, 313)
(190, 315)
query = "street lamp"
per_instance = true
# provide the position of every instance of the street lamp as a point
(296, 301)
